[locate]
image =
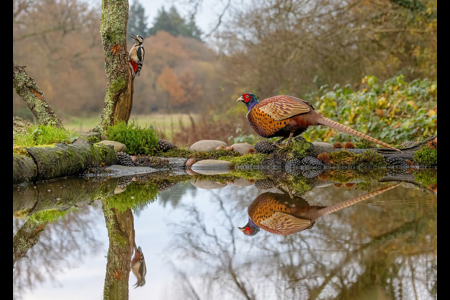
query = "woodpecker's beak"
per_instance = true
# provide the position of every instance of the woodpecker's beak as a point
(242, 100)
(133, 36)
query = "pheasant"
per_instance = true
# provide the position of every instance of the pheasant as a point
(286, 214)
(286, 116)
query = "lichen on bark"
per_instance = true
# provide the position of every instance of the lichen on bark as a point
(119, 93)
(28, 90)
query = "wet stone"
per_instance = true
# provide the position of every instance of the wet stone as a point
(118, 147)
(206, 184)
(211, 167)
(206, 145)
(241, 148)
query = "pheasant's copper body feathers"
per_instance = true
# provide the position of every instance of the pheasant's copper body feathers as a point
(279, 115)
(279, 214)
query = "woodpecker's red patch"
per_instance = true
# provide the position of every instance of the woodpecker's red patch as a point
(134, 65)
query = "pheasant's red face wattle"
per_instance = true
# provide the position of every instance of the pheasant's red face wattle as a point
(247, 97)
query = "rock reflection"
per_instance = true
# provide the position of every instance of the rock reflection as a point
(286, 214)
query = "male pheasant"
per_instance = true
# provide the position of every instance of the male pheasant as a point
(285, 214)
(287, 116)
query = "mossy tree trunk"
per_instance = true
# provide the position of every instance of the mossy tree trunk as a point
(28, 90)
(120, 227)
(119, 92)
(26, 238)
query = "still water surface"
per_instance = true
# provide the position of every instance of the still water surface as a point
(383, 247)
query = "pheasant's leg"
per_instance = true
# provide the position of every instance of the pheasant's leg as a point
(277, 142)
(289, 139)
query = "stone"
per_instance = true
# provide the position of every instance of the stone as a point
(212, 167)
(190, 162)
(206, 184)
(118, 147)
(206, 145)
(322, 144)
(241, 148)
(120, 171)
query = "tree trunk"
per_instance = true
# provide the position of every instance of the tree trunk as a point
(119, 93)
(26, 238)
(120, 227)
(29, 91)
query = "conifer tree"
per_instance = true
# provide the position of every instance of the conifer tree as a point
(173, 23)
(137, 21)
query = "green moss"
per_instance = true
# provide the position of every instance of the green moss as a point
(370, 158)
(365, 144)
(299, 185)
(118, 84)
(249, 159)
(299, 148)
(137, 194)
(425, 177)
(213, 154)
(426, 156)
(342, 157)
(342, 176)
(51, 215)
(176, 152)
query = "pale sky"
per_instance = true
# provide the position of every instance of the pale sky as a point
(206, 18)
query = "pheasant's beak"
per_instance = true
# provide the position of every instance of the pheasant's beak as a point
(242, 100)
(241, 229)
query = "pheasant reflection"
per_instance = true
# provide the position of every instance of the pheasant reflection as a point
(286, 214)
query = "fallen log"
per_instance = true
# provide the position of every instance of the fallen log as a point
(407, 153)
(60, 160)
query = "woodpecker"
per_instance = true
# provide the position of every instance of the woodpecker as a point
(136, 56)
(138, 266)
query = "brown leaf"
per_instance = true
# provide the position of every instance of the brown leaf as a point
(115, 49)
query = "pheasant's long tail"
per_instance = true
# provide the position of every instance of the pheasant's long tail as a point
(340, 127)
(338, 206)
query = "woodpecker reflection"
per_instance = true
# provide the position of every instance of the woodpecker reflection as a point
(138, 266)
(286, 213)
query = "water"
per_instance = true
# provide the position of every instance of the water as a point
(384, 247)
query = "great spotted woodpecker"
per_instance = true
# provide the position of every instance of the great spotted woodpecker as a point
(138, 266)
(136, 56)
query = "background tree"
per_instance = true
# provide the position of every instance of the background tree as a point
(174, 24)
(137, 21)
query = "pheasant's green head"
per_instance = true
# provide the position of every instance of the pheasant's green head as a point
(249, 100)
(250, 228)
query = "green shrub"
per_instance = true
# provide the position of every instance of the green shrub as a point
(138, 140)
(394, 111)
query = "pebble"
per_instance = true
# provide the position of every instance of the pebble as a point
(207, 145)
